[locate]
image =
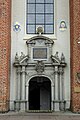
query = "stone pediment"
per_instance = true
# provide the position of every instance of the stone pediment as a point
(39, 37)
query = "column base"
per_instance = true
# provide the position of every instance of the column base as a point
(20, 105)
(56, 107)
(59, 105)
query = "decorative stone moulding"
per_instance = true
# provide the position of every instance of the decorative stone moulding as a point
(33, 39)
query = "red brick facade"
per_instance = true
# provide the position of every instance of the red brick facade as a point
(75, 54)
(5, 29)
(5, 33)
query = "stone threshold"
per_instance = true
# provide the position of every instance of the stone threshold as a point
(39, 111)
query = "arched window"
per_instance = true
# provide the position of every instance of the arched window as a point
(40, 13)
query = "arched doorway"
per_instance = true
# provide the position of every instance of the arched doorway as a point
(39, 93)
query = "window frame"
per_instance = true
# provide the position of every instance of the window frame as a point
(53, 35)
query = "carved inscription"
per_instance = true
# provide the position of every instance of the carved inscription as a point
(39, 53)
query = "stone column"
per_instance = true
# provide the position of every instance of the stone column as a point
(27, 96)
(61, 88)
(18, 95)
(61, 84)
(23, 89)
(18, 88)
(56, 95)
(52, 96)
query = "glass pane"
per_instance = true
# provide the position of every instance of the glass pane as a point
(39, 19)
(31, 1)
(31, 8)
(39, 8)
(48, 28)
(49, 19)
(31, 18)
(30, 28)
(39, 1)
(49, 1)
(48, 8)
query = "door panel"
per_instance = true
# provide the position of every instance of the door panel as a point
(44, 99)
(40, 94)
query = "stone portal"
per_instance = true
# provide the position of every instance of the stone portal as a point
(40, 77)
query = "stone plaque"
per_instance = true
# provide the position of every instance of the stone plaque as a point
(39, 53)
(77, 89)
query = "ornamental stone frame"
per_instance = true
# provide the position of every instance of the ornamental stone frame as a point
(51, 67)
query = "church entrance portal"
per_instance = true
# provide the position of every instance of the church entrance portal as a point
(39, 93)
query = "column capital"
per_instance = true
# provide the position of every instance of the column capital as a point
(61, 70)
(18, 70)
(56, 70)
(23, 69)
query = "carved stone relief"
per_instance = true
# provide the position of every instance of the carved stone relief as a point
(39, 67)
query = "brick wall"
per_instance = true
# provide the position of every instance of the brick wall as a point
(5, 29)
(75, 54)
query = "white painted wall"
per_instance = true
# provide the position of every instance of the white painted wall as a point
(62, 42)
